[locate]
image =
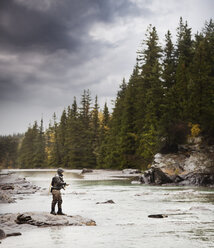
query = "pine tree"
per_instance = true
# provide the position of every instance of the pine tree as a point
(95, 125)
(152, 94)
(113, 153)
(55, 159)
(62, 134)
(40, 155)
(184, 59)
(103, 138)
(74, 138)
(169, 115)
(88, 158)
(128, 123)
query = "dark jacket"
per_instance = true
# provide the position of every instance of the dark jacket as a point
(57, 183)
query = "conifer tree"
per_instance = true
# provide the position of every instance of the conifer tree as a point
(88, 158)
(55, 159)
(152, 94)
(128, 123)
(184, 59)
(74, 137)
(169, 107)
(95, 130)
(62, 134)
(40, 155)
(103, 138)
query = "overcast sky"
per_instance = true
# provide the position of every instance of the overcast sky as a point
(51, 50)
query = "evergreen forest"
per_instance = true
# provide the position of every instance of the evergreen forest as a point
(168, 98)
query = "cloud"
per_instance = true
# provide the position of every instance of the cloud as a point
(50, 25)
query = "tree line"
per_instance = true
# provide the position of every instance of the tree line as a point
(169, 96)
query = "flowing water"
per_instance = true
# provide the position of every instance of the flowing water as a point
(125, 224)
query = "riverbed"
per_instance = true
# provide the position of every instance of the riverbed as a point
(124, 224)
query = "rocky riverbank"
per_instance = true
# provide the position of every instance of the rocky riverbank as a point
(12, 187)
(193, 164)
(14, 224)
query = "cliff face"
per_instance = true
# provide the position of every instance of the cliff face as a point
(193, 164)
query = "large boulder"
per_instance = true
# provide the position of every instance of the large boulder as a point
(155, 176)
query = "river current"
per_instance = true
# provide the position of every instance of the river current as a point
(125, 224)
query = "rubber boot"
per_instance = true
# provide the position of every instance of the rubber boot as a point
(60, 212)
(53, 209)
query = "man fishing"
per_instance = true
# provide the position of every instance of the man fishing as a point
(57, 184)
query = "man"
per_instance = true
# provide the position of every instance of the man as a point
(57, 184)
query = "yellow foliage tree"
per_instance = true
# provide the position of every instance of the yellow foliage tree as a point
(195, 130)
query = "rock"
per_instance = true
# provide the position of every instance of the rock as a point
(198, 161)
(7, 187)
(14, 234)
(85, 170)
(31, 220)
(23, 219)
(106, 202)
(176, 178)
(158, 216)
(192, 164)
(43, 219)
(155, 176)
(131, 171)
(198, 178)
(6, 197)
(2, 234)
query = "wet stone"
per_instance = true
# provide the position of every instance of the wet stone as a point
(106, 202)
(158, 216)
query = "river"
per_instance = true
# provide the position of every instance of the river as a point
(125, 224)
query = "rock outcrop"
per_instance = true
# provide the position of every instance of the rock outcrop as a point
(193, 164)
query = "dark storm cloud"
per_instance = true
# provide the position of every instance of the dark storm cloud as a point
(60, 25)
(41, 40)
